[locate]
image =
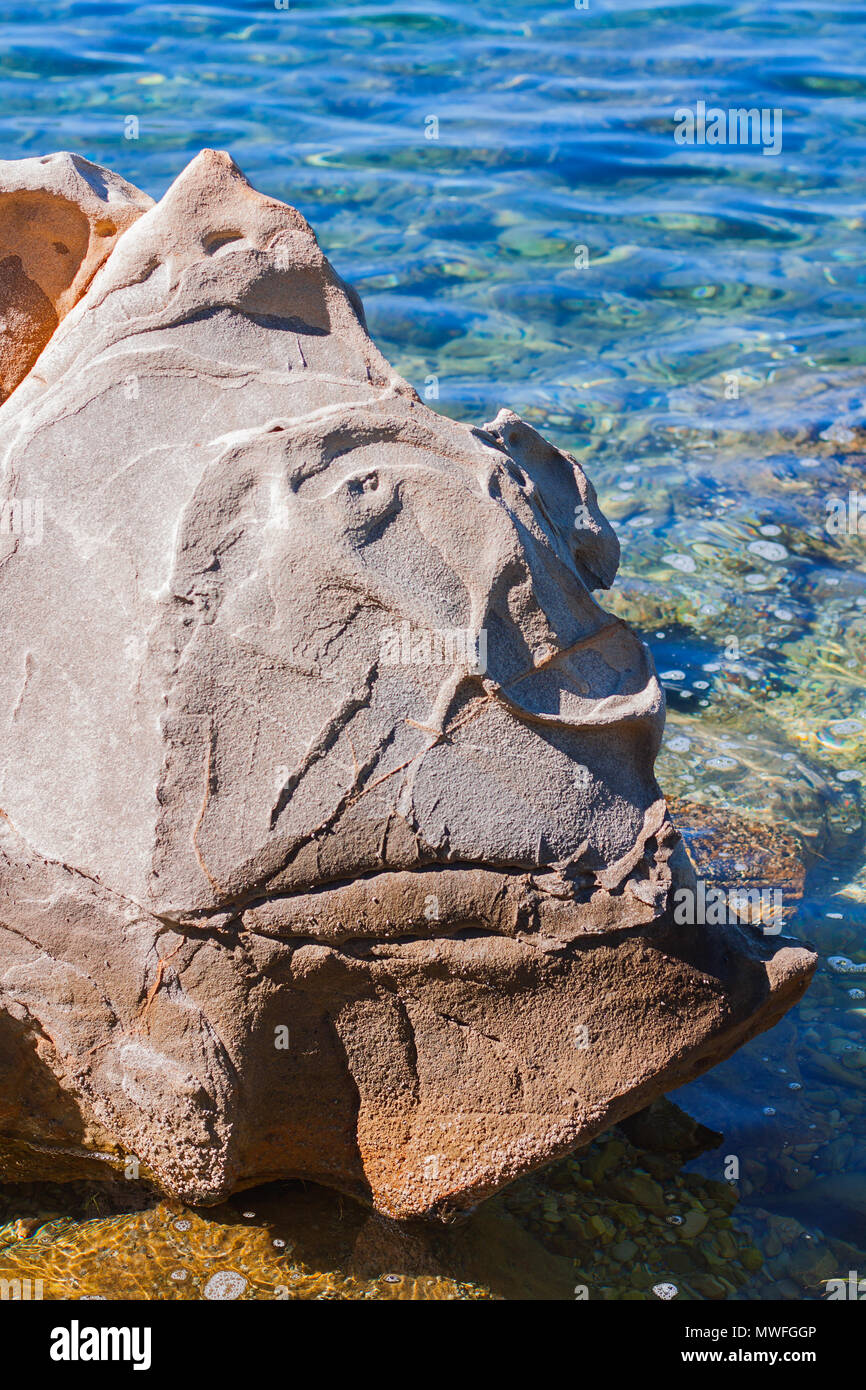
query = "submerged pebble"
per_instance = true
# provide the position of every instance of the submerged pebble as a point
(225, 1284)
(843, 966)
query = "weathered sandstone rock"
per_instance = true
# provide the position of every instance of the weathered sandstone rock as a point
(60, 217)
(330, 841)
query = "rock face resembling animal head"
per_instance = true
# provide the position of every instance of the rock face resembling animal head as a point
(331, 840)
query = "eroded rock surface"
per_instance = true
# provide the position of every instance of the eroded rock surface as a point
(330, 840)
(60, 217)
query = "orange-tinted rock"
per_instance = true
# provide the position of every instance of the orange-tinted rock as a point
(60, 217)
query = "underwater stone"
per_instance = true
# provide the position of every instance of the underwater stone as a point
(330, 844)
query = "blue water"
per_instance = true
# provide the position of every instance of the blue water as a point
(707, 363)
(555, 130)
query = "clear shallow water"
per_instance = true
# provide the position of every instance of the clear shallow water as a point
(706, 366)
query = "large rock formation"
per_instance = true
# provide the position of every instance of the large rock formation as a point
(330, 843)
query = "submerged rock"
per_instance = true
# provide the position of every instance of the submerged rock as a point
(664, 1128)
(330, 841)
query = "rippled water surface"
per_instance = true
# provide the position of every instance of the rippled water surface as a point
(502, 184)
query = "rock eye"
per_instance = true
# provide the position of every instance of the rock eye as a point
(217, 240)
(357, 486)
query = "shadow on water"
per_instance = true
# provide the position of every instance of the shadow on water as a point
(282, 1241)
